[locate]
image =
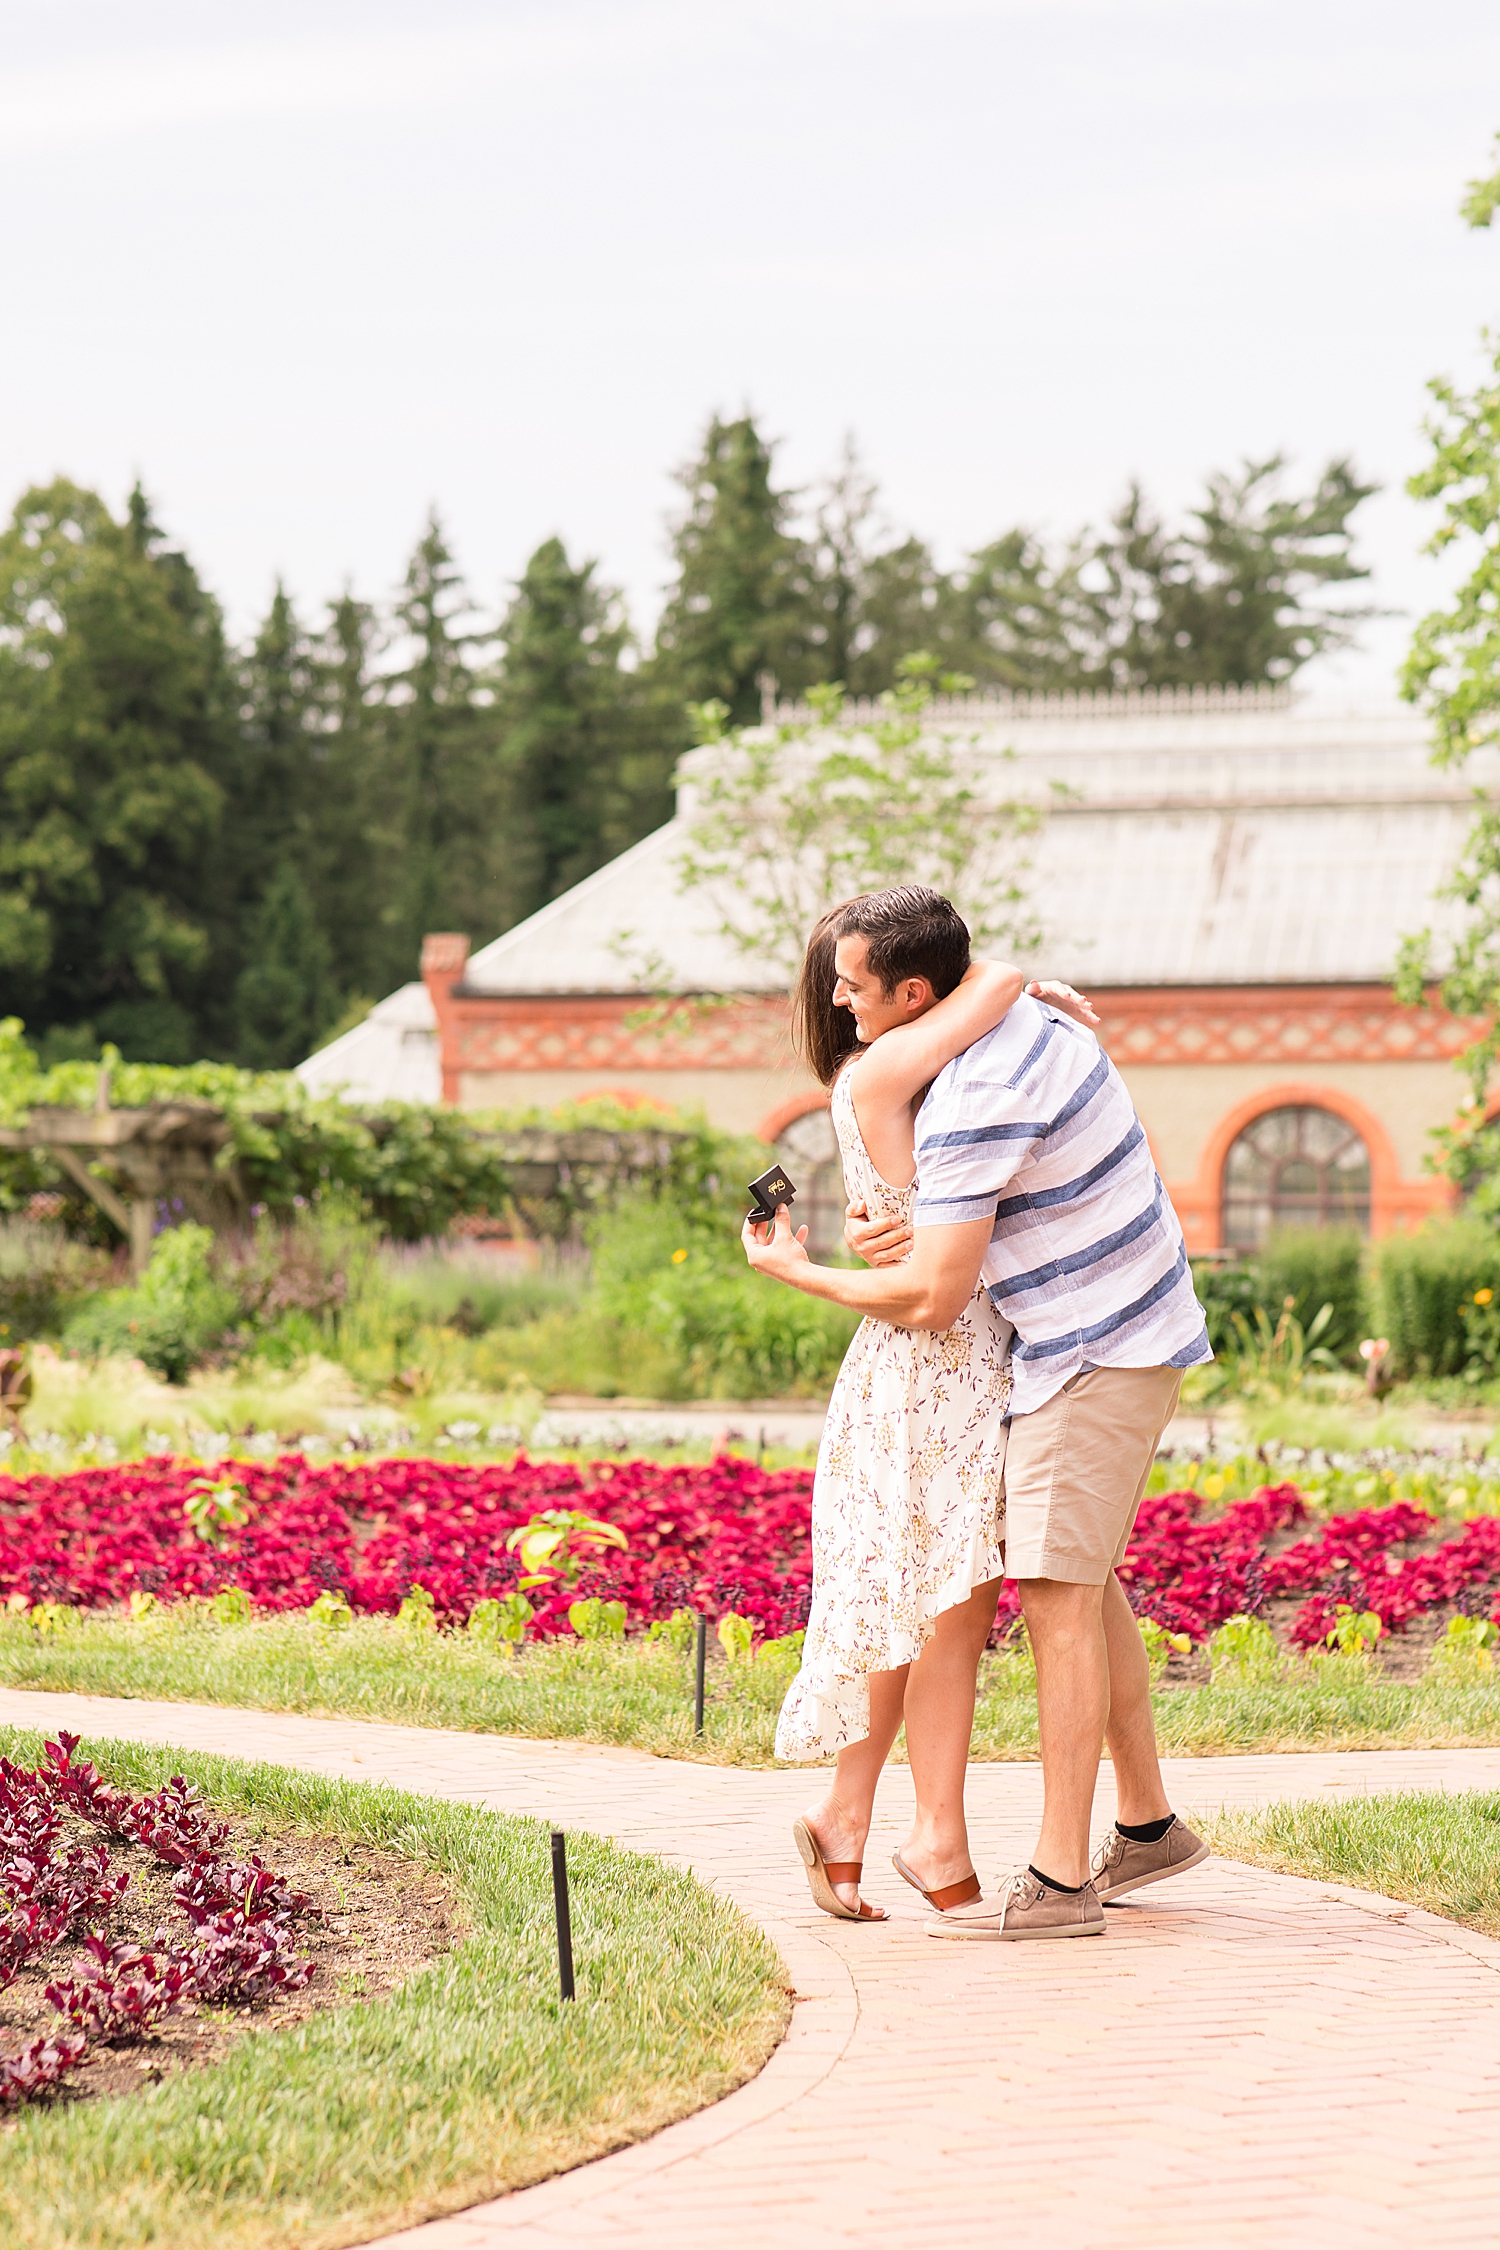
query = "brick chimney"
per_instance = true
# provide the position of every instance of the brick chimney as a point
(444, 955)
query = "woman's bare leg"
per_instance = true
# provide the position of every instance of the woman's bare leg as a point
(939, 1712)
(841, 1818)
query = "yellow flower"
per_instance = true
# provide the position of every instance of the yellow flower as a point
(678, 1256)
(1483, 1296)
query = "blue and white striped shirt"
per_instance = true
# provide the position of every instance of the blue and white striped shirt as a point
(1087, 1260)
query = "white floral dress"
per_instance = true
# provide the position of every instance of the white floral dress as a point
(908, 1511)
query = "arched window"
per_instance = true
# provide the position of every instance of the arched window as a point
(809, 1148)
(1295, 1168)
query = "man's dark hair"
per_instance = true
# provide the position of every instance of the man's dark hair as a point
(910, 931)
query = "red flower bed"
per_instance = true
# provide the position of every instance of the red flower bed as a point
(725, 1537)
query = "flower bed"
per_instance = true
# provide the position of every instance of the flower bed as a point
(235, 1946)
(726, 1537)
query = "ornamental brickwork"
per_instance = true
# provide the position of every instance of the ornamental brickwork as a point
(1278, 1024)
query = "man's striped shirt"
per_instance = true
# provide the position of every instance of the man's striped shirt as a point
(1087, 1260)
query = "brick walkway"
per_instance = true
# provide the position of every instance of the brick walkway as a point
(1245, 2059)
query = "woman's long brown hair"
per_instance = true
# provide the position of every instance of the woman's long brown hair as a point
(822, 1034)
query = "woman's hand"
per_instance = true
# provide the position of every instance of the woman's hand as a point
(1066, 1001)
(880, 1242)
(774, 1250)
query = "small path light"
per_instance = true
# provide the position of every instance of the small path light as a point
(564, 1921)
(700, 1659)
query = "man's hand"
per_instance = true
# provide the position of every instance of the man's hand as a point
(1066, 1001)
(775, 1250)
(880, 1242)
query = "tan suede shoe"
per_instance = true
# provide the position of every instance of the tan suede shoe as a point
(1025, 1908)
(1121, 1865)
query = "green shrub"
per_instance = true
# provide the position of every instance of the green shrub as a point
(679, 1278)
(1318, 1266)
(172, 1320)
(42, 1275)
(1420, 1283)
(1223, 1289)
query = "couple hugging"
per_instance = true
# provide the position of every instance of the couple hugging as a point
(1028, 1315)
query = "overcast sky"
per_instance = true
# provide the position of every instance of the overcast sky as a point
(311, 265)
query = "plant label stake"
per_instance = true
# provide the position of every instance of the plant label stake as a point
(564, 1921)
(700, 1658)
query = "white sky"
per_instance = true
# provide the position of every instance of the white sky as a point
(310, 265)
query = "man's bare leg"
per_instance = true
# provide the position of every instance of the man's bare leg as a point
(939, 1723)
(840, 1821)
(1066, 1626)
(1131, 1728)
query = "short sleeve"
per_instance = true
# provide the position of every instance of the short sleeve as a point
(973, 1135)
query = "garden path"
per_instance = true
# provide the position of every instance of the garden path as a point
(1246, 2059)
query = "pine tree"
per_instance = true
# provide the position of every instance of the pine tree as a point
(742, 603)
(284, 997)
(437, 782)
(115, 744)
(585, 778)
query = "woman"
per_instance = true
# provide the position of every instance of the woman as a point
(908, 1501)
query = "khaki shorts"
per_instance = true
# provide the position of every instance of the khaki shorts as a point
(1076, 1469)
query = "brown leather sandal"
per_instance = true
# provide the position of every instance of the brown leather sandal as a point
(951, 1894)
(823, 1873)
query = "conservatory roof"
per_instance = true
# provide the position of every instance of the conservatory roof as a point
(1234, 839)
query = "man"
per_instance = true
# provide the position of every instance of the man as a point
(1033, 1173)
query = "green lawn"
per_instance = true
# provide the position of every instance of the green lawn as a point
(1437, 1851)
(640, 1695)
(472, 2079)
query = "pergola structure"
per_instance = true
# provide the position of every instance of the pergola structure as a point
(131, 1161)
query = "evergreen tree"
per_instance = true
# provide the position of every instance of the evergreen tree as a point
(284, 996)
(742, 603)
(584, 776)
(1239, 595)
(114, 745)
(437, 792)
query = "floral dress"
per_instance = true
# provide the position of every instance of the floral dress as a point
(908, 1511)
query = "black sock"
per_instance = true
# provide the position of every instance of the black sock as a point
(1071, 1890)
(1149, 1831)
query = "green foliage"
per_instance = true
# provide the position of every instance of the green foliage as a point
(112, 742)
(417, 1612)
(588, 764)
(1317, 1266)
(177, 1313)
(1161, 1645)
(42, 1276)
(1420, 1283)
(1224, 1287)
(740, 605)
(1275, 1357)
(500, 1625)
(231, 1606)
(735, 1636)
(284, 995)
(1466, 1648)
(1353, 1632)
(597, 1620)
(679, 1631)
(1453, 669)
(214, 1507)
(677, 1277)
(330, 1612)
(1243, 1648)
(799, 815)
(558, 1543)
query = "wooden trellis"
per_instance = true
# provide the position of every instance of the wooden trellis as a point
(132, 1161)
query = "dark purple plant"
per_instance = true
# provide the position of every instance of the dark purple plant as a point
(40, 2065)
(248, 1889)
(23, 1935)
(176, 1825)
(129, 1991)
(235, 1960)
(79, 1787)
